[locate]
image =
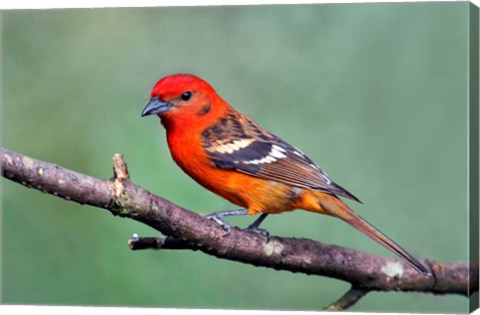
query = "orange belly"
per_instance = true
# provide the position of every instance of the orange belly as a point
(255, 194)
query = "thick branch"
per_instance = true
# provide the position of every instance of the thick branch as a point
(189, 230)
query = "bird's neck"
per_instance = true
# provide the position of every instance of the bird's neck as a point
(184, 137)
(195, 123)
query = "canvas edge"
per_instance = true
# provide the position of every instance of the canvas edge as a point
(473, 164)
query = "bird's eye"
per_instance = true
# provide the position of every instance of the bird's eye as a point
(186, 96)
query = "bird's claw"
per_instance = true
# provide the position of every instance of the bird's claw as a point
(260, 231)
(219, 221)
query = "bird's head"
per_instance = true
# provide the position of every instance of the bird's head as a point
(182, 97)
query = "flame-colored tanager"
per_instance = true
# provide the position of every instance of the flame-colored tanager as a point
(231, 155)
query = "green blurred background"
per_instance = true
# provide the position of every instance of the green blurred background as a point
(376, 94)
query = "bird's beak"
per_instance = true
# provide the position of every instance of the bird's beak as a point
(156, 106)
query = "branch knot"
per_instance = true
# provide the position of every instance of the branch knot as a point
(120, 176)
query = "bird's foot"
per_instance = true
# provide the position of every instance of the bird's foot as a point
(218, 220)
(217, 217)
(258, 230)
(254, 227)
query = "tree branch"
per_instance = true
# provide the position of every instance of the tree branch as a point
(137, 243)
(188, 230)
(348, 299)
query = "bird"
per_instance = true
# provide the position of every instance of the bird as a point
(231, 155)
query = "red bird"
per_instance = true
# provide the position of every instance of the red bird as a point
(229, 154)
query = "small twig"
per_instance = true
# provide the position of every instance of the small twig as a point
(137, 243)
(120, 169)
(348, 299)
(120, 176)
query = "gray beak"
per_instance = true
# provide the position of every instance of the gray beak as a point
(156, 106)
